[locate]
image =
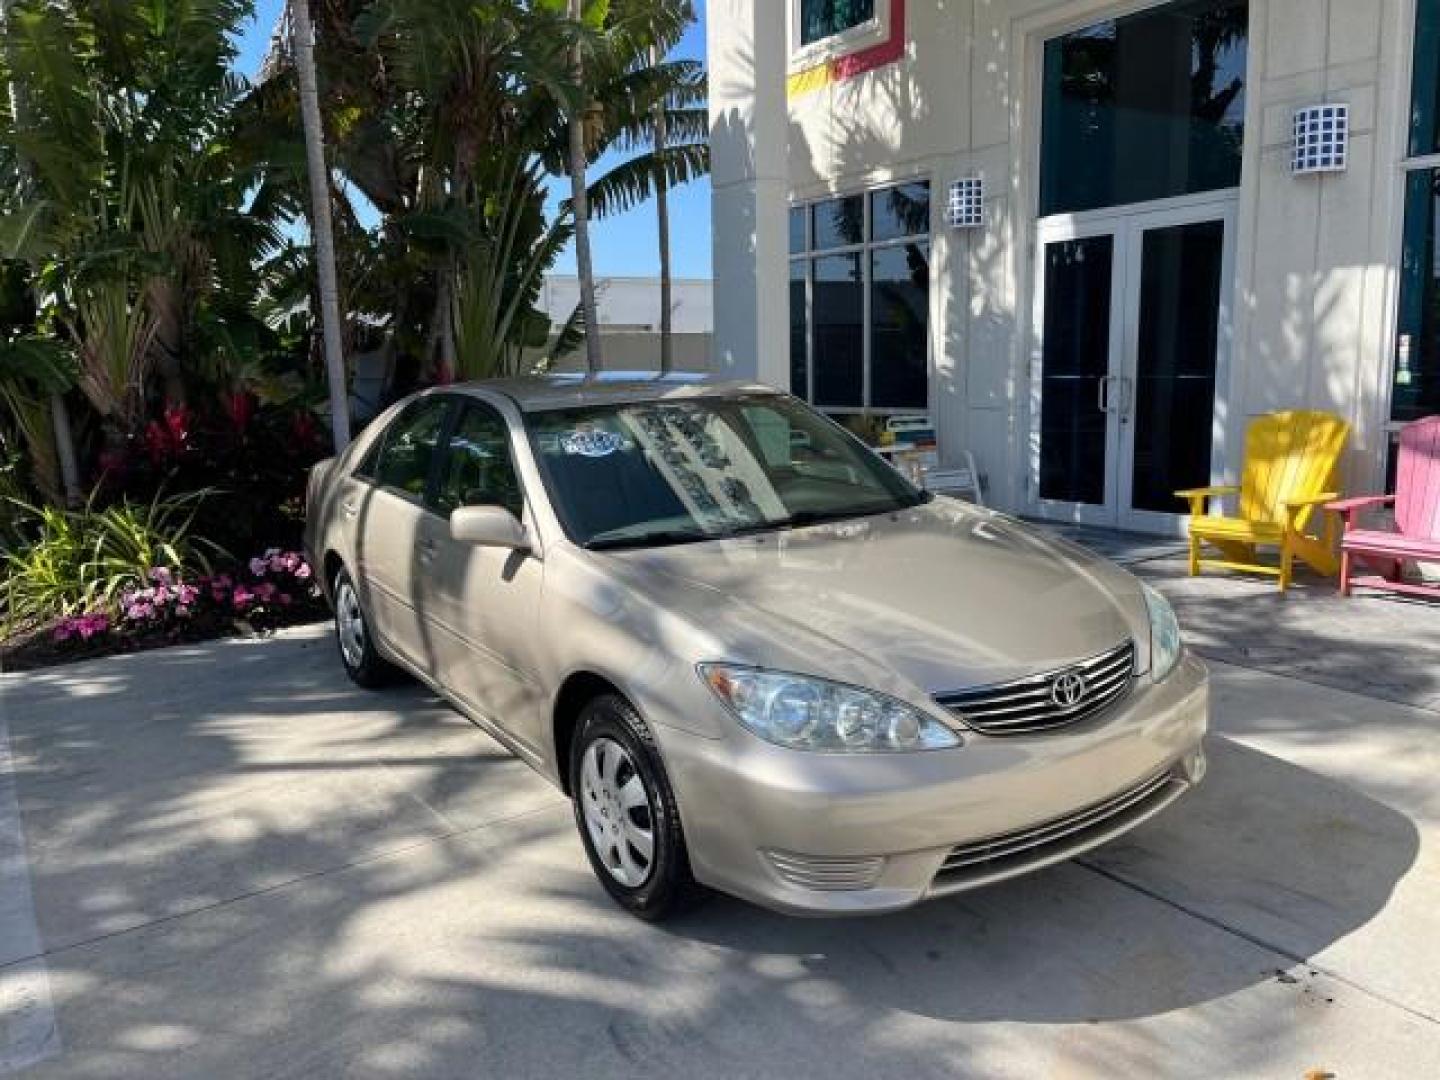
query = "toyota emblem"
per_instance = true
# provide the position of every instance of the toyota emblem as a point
(1068, 689)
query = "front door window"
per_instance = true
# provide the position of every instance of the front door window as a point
(478, 470)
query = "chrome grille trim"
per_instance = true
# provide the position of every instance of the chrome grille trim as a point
(1023, 706)
(1029, 843)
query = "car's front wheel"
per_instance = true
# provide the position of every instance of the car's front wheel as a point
(626, 812)
(363, 662)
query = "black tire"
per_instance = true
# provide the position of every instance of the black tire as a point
(668, 887)
(361, 660)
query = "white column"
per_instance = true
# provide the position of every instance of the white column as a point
(749, 135)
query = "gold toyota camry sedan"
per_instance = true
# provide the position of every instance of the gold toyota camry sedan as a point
(754, 656)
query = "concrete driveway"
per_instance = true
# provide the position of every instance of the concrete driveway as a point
(240, 866)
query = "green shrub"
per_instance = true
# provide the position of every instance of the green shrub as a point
(83, 560)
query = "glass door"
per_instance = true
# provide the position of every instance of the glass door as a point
(1079, 308)
(1172, 435)
(1132, 320)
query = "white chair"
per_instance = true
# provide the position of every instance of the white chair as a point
(963, 483)
(914, 453)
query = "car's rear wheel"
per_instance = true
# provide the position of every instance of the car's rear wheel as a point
(363, 662)
(626, 812)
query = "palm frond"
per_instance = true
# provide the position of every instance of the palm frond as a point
(632, 182)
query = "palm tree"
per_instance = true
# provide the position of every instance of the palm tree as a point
(579, 199)
(653, 109)
(662, 228)
(321, 219)
(463, 116)
(433, 99)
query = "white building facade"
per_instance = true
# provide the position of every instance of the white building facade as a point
(1080, 233)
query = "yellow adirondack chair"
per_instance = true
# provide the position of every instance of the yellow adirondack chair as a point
(1291, 460)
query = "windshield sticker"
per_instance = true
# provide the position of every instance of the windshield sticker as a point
(590, 443)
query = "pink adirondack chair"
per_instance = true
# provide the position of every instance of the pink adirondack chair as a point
(1417, 518)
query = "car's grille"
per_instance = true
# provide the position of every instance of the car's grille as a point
(1009, 853)
(1049, 700)
(827, 875)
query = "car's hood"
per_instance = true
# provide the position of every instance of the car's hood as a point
(943, 596)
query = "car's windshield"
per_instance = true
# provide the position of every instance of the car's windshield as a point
(660, 472)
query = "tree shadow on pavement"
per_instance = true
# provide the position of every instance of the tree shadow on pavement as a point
(244, 866)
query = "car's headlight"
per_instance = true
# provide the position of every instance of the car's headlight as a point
(805, 713)
(1164, 635)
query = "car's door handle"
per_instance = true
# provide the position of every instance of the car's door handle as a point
(426, 548)
(350, 509)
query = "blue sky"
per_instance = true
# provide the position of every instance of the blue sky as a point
(624, 245)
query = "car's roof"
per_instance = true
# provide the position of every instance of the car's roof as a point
(533, 393)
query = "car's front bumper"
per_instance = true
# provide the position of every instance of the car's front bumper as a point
(861, 833)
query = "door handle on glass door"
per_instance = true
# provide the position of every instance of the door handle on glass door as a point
(1108, 403)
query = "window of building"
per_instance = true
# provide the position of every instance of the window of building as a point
(1425, 107)
(821, 19)
(1416, 390)
(1416, 363)
(860, 301)
(1145, 107)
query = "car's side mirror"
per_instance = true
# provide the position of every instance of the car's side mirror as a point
(489, 526)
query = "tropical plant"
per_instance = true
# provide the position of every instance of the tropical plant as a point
(34, 369)
(83, 561)
(135, 210)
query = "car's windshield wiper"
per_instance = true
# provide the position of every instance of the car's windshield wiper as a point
(802, 518)
(798, 520)
(651, 539)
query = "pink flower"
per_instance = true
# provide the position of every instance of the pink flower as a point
(161, 575)
(83, 626)
(258, 567)
(302, 572)
(187, 595)
(241, 597)
(160, 595)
